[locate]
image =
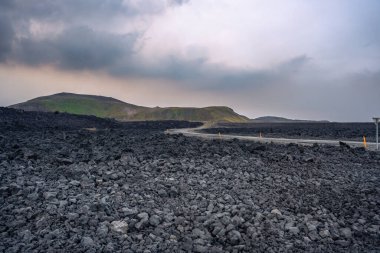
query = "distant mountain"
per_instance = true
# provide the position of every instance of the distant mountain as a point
(274, 119)
(267, 119)
(107, 107)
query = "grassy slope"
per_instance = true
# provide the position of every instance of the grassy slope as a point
(212, 113)
(85, 106)
(112, 108)
(81, 104)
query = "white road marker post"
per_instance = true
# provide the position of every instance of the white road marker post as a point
(377, 119)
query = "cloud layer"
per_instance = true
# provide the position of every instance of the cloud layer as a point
(295, 58)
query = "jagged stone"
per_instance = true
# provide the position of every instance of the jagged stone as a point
(119, 226)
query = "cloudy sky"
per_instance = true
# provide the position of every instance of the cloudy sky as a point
(315, 59)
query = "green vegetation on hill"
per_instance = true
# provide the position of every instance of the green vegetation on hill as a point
(104, 107)
(213, 113)
(107, 107)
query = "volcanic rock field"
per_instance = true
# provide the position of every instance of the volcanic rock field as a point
(300, 130)
(83, 184)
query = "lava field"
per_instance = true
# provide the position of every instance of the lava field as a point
(82, 184)
(300, 130)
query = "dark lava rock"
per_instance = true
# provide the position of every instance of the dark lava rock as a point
(129, 187)
(154, 220)
(234, 236)
(304, 130)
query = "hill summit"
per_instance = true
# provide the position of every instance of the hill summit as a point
(108, 107)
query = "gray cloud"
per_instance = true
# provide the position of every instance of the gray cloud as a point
(179, 2)
(72, 11)
(80, 45)
(77, 48)
(6, 4)
(295, 84)
(6, 37)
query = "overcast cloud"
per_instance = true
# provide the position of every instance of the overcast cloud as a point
(307, 59)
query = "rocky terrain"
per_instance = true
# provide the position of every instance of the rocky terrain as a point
(20, 120)
(130, 188)
(301, 130)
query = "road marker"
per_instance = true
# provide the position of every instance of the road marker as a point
(261, 135)
(365, 142)
(220, 136)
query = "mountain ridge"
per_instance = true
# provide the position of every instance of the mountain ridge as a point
(276, 119)
(109, 107)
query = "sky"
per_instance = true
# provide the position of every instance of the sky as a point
(315, 59)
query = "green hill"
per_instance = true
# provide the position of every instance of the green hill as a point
(107, 107)
(104, 107)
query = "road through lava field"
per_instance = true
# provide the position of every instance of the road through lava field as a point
(300, 130)
(131, 188)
